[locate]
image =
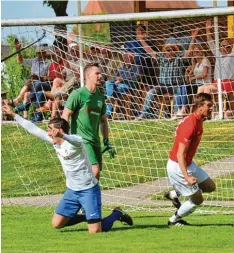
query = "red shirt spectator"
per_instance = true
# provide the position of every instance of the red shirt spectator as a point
(188, 132)
(55, 69)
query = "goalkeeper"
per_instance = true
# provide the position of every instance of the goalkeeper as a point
(82, 187)
(87, 109)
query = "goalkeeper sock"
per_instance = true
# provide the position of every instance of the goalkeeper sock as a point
(108, 221)
(75, 220)
(185, 209)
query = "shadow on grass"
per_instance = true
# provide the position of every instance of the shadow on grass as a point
(120, 228)
(210, 225)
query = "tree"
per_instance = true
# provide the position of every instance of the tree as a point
(60, 10)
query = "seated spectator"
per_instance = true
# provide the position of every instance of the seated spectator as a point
(39, 71)
(178, 37)
(199, 74)
(142, 48)
(226, 72)
(125, 80)
(37, 95)
(70, 78)
(172, 64)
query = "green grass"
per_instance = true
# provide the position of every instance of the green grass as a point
(30, 231)
(30, 167)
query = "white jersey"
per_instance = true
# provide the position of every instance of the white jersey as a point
(72, 155)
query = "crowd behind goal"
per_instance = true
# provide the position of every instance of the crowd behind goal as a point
(141, 79)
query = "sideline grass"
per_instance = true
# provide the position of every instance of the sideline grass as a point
(32, 232)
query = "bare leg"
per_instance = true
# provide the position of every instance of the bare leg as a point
(25, 88)
(26, 96)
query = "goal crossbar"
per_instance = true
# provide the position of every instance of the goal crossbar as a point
(207, 12)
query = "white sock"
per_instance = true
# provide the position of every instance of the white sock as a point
(186, 208)
(173, 194)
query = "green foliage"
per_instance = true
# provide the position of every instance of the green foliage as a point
(14, 74)
(28, 229)
(59, 7)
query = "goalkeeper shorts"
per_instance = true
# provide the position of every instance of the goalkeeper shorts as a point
(94, 154)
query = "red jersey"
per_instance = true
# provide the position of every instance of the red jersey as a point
(189, 132)
(55, 68)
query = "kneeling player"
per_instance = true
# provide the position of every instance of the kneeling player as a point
(187, 178)
(82, 186)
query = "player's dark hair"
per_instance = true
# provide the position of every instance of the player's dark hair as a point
(90, 65)
(200, 99)
(60, 123)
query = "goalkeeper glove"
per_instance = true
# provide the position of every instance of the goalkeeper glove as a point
(109, 148)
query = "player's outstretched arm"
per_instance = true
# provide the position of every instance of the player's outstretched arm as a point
(75, 140)
(27, 125)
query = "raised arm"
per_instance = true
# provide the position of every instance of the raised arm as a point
(27, 125)
(208, 30)
(19, 56)
(192, 42)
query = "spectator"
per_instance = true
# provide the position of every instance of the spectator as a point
(226, 72)
(172, 64)
(71, 74)
(226, 62)
(142, 48)
(37, 95)
(125, 81)
(39, 71)
(199, 74)
(177, 37)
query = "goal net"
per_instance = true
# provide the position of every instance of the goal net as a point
(151, 71)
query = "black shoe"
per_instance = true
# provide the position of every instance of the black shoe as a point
(179, 223)
(124, 217)
(176, 203)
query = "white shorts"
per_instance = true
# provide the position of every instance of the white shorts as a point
(178, 181)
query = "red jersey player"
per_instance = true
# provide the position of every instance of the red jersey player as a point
(187, 178)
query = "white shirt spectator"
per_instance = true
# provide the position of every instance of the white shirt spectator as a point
(226, 64)
(199, 69)
(39, 67)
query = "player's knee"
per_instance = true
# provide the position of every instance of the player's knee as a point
(57, 224)
(211, 187)
(197, 199)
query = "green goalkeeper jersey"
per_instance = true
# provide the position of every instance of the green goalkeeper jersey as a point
(87, 110)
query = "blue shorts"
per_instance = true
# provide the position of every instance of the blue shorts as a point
(72, 201)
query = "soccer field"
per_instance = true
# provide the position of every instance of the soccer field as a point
(31, 231)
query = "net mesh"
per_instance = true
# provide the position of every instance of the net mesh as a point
(151, 73)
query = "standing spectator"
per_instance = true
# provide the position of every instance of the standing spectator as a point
(172, 65)
(87, 109)
(143, 48)
(187, 178)
(125, 80)
(178, 37)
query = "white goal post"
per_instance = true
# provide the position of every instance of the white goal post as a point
(136, 178)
